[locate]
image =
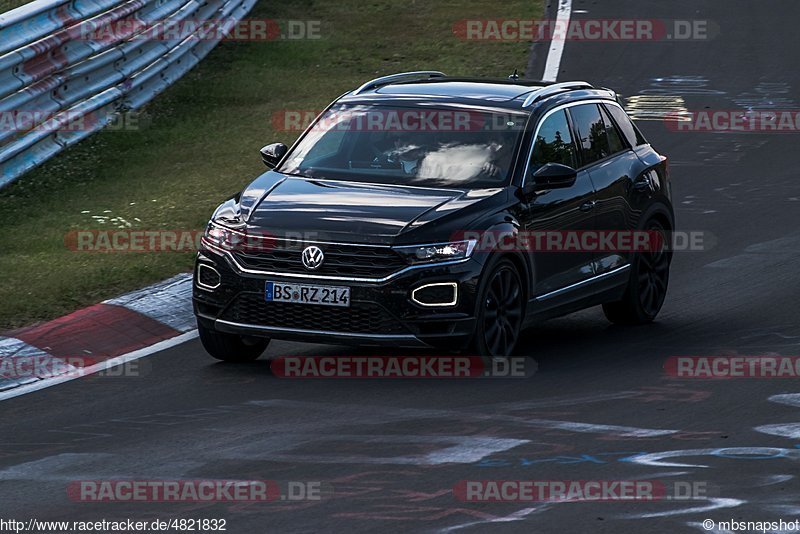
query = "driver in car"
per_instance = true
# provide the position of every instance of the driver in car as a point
(404, 153)
(408, 154)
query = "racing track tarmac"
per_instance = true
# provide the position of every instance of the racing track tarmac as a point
(393, 450)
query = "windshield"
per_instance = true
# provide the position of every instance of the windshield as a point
(420, 146)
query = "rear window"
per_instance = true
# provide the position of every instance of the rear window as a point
(629, 130)
(615, 142)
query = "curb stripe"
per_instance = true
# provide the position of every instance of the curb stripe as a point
(21, 363)
(168, 302)
(134, 324)
(99, 332)
(102, 366)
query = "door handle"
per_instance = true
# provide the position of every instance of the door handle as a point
(588, 206)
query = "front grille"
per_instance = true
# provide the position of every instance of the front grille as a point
(360, 318)
(340, 260)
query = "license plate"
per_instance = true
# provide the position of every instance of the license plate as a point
(305, 294)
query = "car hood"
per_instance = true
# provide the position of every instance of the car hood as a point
(317, 209)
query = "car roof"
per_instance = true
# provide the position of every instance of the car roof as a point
(431, 87)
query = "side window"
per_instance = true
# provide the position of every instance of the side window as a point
(615, 142)
(553, 143)
(625, 124)
(591, 132)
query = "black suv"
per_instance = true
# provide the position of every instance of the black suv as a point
(425, 210)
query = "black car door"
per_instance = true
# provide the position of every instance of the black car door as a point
(554, 215)
(612, 165)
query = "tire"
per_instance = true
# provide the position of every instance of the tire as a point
(500, 311)
(231, 347)
(647, 286)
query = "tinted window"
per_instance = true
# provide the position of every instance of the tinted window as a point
(409, 145)
(615, 143)
(591, 132)
(554, 143)
(630, 131)
(328, 145)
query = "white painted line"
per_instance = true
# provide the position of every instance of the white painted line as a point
(557, 45)
(102, 366)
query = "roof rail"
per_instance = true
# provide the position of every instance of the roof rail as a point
(613, 93)
(554, 89)
(392, 78)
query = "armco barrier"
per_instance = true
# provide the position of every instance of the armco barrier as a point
(54, 73)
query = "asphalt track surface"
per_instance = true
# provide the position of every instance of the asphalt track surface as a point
(392, 450)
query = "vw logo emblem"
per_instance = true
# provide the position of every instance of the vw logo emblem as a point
(313, 257)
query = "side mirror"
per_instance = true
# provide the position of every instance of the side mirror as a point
(554, 176)
(272, 154)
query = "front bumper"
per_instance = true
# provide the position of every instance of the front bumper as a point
(380, 313)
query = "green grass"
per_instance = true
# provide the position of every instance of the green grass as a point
(8, 5)
(203, 138)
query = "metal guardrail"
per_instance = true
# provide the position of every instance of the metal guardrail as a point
(68, 78)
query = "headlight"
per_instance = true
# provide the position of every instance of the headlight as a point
(222, 237)
(457, 250)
